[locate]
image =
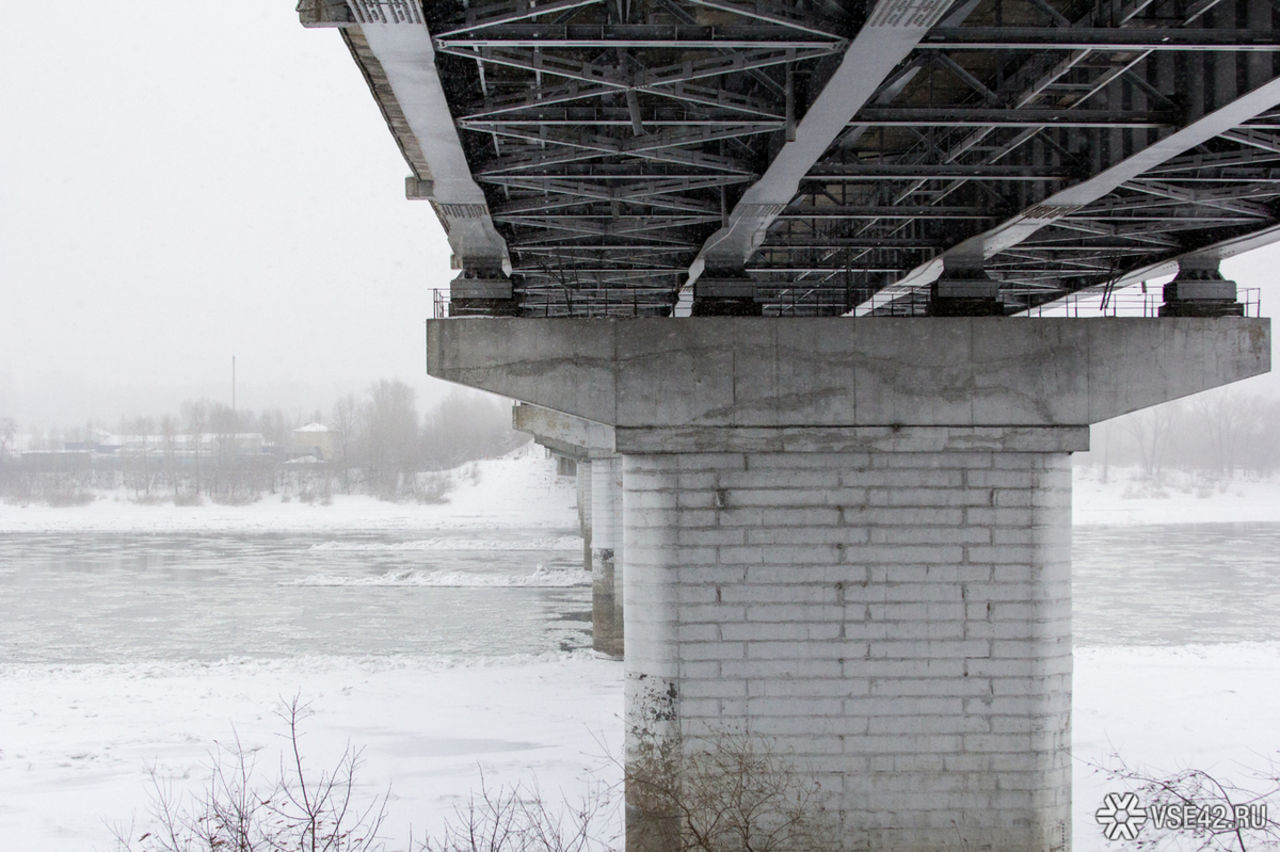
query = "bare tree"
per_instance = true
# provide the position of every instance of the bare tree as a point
(169, 437)
(195, 416)
(469, 425)
(346, 413)
(1151, 430)
(390, 430)
(8, 432)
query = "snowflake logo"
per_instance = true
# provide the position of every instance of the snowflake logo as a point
(1120, 816)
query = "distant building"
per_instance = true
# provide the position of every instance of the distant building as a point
(181, 443)
(316, 439)
(56, 461)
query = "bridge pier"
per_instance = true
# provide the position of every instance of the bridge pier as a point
(852, 538)
(599, 511)
(583, 482)
(607, 549)
(895, 616)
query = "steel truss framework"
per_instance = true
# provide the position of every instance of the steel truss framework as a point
(1063, 143)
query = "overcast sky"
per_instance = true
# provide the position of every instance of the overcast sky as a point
(183, 182)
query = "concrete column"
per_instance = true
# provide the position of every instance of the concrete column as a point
(898, 622)
(607, 556)
(599, 509)
(584, 510)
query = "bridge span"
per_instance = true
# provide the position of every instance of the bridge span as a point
(764, 267)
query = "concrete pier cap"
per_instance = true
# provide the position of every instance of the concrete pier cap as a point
(682, 376)
(851, 537)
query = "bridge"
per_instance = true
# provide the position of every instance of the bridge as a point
(766, 268)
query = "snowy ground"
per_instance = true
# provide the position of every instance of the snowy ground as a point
(75, 741)
(1125, 497)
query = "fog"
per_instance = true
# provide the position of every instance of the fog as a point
(184, 183)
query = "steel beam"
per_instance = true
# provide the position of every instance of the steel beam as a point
(1220, 250)
(1021, 117)
(836, 173)
(407, 57)
(1098, 38)
(893, 29)
(1070, 200)
(504, 15)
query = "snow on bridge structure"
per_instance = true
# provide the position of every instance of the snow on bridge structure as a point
(765, 259)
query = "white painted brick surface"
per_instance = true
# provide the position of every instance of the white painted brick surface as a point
(606, 497)
(898, 621)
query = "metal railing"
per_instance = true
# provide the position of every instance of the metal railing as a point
(1129, 302)
(603, 302)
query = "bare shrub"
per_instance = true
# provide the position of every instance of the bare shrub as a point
(1211, 801)
(297, 811)
(432, 487)
(733, 793)
(75, 498)
(520, 819)
(730, 792)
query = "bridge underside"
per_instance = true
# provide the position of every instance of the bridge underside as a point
(823, 158)
(850, 536)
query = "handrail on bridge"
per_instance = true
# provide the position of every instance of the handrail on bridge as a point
(1126, 303)
(1123, 303)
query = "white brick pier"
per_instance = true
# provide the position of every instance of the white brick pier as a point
(897, 621)
(607, 556)
(851, 537)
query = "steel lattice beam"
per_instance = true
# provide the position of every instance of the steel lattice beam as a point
(610, 153)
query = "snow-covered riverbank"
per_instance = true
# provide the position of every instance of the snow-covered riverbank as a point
(1125, 497)
(520, 489)
(76, 742)
(523, 490)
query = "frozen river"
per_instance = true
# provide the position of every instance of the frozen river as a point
(1184, 584)
(444, 651)
(119, 597)
(98, 597)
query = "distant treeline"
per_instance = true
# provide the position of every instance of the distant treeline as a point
(1222, 432)
(373, 443)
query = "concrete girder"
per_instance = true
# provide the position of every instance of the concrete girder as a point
(572, 435)
(769, 373)
(1071, 199)
(893, 29)
(407, 58)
